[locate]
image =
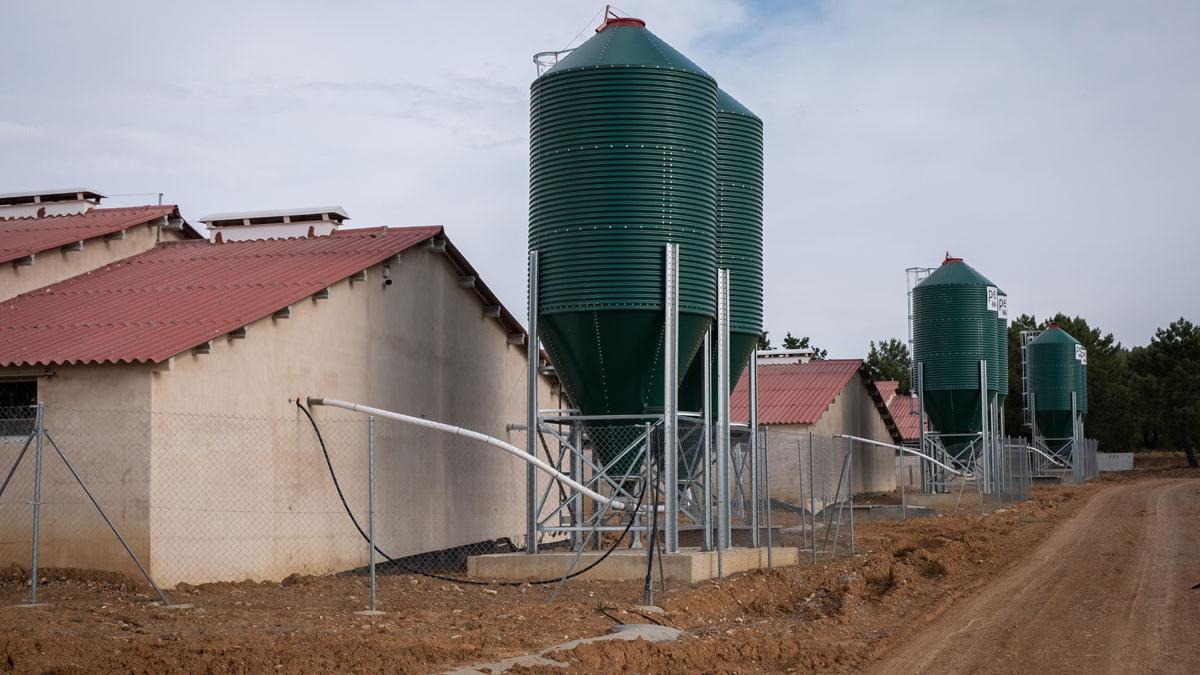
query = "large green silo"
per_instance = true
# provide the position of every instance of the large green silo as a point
(623, 143)
(954, 328)
(1057, 368)
(739, 240)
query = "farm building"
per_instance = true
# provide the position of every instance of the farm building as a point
(49, 236)
(903, 408)
(797, 396)
(172, 377)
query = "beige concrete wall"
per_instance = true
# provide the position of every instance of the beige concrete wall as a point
(852, 412)
(53, 266)
(266, 505)
(99, 416)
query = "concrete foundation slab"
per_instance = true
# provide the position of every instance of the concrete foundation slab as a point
(742, 535)
(687, 566)
(874, 513)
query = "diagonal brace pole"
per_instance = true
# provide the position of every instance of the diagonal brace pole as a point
(111, 526)
(17, 463)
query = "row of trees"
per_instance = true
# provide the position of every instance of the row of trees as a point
(792, 342)
(1146, 397)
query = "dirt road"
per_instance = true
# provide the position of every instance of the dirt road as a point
(1110, 591)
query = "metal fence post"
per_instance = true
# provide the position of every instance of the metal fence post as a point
(371, 498)
(766, 446)
(755, 538)
(39, 430)
(812, 495)
(850, 488)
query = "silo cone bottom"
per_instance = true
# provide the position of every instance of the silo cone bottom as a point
(610, 363)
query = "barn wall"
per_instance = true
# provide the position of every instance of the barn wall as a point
(99, 416)
(852, 412)
(420, 346)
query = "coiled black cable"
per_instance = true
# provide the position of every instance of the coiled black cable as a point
(345, 505)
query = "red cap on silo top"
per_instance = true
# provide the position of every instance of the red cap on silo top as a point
(611, 19)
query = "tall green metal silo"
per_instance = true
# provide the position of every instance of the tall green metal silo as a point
(623, 145)
(954, 328)
(1057, 368)
(739, 240)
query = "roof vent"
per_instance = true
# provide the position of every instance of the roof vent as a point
(317, 221)
(779, 357)
(42, 203)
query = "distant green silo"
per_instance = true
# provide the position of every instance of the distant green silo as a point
(1057, 368)
(739, 240)
(954, 328)
(623, 146)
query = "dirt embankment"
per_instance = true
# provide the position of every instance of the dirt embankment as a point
(835, 616)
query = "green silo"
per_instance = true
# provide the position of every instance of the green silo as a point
(954, 328)
(739, 240)
(623, 143)
(1057, 368)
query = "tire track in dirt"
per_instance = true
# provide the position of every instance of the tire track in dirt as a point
(1110, 591)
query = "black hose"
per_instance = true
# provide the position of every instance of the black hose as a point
(345, 505)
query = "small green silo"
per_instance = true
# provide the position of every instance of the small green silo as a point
(623, 143)
(739, 240)
(1057, 368)
(954, 328)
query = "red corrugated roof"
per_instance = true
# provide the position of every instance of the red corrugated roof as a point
(152, 306)
(887, 390)
(903, 408)
(794, 393)
(21, 237)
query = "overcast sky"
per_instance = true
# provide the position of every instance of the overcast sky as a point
(1054, 145)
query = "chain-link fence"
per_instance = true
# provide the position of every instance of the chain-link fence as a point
(193, 498)
(812, 480)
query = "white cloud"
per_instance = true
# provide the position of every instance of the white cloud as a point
(1052, 144)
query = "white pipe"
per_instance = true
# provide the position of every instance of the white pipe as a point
(616, 504)
(910, 451)
(1048, 456)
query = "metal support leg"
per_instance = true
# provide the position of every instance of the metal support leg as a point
(925, 487)
(531, 419)
(706, 508)
(723, 442)
(671, 401)
(576, 510)
(1076, 454)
